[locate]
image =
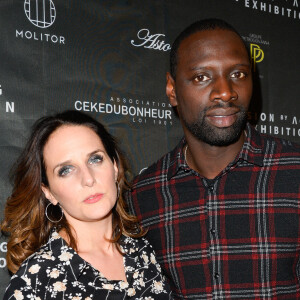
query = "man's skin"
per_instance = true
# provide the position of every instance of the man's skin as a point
(213, 74)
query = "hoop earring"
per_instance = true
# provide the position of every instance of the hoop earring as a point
(118, 189)
(46, 213)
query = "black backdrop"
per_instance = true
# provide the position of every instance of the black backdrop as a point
(109, 59)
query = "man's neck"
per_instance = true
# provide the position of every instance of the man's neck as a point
(209, 160)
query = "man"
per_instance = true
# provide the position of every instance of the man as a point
(223, 207)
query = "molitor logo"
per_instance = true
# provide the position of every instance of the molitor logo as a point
(257, 55)
(42, 14)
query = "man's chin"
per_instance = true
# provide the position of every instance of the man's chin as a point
(216, 136)
(213, 135)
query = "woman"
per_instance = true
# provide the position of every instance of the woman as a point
(69, 234)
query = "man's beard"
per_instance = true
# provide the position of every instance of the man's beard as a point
(215, 136)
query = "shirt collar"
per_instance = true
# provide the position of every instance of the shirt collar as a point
(177, 159)
(75, 265)
(252, 152)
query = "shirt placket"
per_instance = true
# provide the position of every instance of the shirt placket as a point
(212, 206)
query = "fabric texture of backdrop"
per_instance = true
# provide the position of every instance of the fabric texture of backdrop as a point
(109, 59)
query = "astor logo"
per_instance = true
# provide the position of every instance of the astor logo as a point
(41, 13)
(150, 41)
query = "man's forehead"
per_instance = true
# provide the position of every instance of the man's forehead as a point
(216, 36)
(210, 39)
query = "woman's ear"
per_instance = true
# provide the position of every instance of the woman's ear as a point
(116, 170)
(49, 195)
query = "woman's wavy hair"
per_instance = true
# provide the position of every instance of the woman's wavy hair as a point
(25, 222)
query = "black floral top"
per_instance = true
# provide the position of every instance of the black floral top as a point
(56, 271)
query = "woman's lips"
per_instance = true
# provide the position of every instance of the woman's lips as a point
(93, 199)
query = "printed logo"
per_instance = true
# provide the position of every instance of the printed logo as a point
(287, 9)
(276, 124)
(3, 248)
(9, 108)
(139, 111)
(41, 13)
(150, 41)
(257, 55)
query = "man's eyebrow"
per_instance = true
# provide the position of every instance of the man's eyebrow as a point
(196, 68)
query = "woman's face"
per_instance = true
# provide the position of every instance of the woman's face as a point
(81, 175)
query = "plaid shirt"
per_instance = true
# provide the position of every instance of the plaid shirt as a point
(234, 237)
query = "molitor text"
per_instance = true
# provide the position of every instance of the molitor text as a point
(42, 37)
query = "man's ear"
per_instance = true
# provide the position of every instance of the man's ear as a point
(49, 195)
(170, 90)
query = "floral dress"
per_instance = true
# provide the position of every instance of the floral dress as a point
(56, 271)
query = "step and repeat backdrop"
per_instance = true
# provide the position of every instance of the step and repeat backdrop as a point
(109, 59)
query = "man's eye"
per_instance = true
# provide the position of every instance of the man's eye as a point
(95, 159)
(239, 75)
(65, 170)
(201, 78)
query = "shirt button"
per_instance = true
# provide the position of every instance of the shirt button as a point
(212, 231)
(211, 188)
(217, 275)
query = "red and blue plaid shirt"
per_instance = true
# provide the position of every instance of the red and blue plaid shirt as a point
(234, 237)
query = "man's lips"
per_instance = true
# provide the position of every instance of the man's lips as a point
(221, 117)
(93, 198)
(222, 112)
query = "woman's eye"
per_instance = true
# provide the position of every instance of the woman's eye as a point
(239, 75)
(95, 159)
(65, 170)
(201, 78)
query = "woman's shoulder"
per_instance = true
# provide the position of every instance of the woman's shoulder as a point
(34, 269)
(45, 257)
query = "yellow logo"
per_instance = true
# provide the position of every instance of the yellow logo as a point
(257, 55)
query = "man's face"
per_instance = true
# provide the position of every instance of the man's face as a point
(213, 86)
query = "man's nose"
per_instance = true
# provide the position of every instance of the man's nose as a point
(223, 90)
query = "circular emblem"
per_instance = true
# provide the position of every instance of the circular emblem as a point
(40, 13)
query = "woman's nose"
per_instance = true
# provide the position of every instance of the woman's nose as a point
(88, 178)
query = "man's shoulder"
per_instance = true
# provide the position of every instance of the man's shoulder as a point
(159, 168)
(275, 145)
(153, 171)
(267, 150)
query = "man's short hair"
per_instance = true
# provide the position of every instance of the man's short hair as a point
(202, 25)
